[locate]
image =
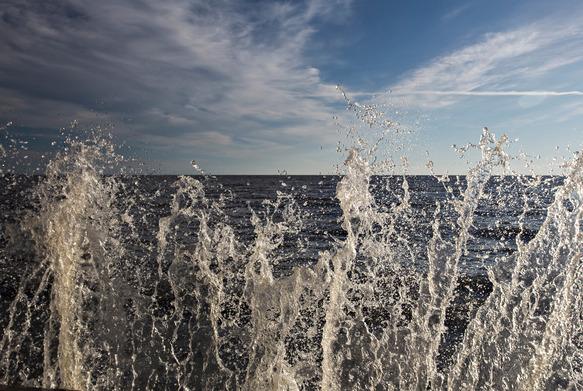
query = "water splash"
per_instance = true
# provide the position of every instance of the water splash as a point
(137, 282)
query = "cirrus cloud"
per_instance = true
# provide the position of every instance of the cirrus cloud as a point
(175, 70)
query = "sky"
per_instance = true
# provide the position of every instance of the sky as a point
(250, 87)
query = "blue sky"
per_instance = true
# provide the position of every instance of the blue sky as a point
(250, 87)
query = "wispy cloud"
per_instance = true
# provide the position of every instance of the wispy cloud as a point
(497, 64)
(455, 12)
(190, 72)
(491, 93)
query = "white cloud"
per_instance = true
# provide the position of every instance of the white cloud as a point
(455, 12)
(189, 72)
(491, 93)
(497, 65)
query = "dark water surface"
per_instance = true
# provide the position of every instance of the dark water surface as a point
(286, 282)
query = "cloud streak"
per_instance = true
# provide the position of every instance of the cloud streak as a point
(192, 73)
(490, 93)
(505, 63)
